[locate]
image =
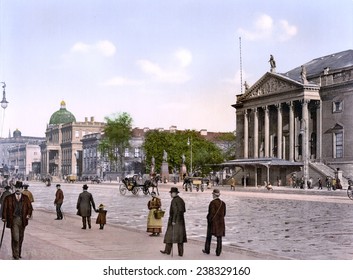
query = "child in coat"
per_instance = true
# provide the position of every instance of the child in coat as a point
(102, 216)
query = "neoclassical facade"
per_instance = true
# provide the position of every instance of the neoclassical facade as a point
(61, 152)
(299, 122)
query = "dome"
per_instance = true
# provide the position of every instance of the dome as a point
(17, 133)
(62, 116)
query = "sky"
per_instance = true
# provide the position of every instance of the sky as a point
(166, 63)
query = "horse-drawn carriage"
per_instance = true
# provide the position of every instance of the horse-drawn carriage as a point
(135, 184)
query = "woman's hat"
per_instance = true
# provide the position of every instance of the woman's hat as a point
(101, 206)
(85, 187)
(174, 190)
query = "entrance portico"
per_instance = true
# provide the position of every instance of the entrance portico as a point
(280, 118)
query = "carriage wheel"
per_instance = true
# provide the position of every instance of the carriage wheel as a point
(350, 192)
(122, 189)
(202, 187)
(189, 186)
(135, 191)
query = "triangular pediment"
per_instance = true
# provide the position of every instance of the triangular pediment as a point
(268, 84)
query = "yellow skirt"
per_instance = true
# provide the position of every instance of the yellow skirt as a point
(153, 225)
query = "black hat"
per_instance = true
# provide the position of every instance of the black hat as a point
(7, 187)
(85, 187)
(58, 185)
(18, 185)
(216, 192)
(174, 189)
(25, 186)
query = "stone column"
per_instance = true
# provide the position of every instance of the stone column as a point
(267, 131)
(256, 133)
(305, 137)
(279, 130)
(319, 130)
(246, 134)
(291, 131)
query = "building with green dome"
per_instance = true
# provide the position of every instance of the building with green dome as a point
(61, 152)
(62, 116)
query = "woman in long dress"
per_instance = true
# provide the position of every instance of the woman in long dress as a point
(154, 226)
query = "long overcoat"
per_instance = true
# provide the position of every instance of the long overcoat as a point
(215, 217)
(9, 209)
(176, 233)
(85, 203)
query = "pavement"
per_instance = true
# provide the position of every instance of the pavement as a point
(50, 239)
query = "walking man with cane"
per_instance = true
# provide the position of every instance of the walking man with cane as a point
(17, 210)
(176, 232)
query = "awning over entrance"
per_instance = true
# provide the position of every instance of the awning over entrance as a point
(261, 162)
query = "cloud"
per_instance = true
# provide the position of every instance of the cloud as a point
(264, 27)
(288, 31)
(176, 74)
(184, 57)
(152, 69)
(105, 48)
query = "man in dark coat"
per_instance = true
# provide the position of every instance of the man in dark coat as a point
(84, 206)
(17, 209)
(176, 232)
(3, 195)
(215, 222)
(59, 200)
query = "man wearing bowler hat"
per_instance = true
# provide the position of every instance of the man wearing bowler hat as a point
(17, 210)
(215, 222)
(176, 232)
(84, 206)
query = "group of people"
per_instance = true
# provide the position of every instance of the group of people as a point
(16, 210)
(176, 231)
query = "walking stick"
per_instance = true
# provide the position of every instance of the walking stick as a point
(2, 235)
(172, 238)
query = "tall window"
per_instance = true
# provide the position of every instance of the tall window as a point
(137, 152)
(338, 144)
(337, 106)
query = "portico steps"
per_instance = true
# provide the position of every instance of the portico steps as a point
(319, 169)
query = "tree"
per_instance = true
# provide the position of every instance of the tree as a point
(117, 134)
(204, 153)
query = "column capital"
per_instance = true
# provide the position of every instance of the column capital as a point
(265, 108)
(304, 101)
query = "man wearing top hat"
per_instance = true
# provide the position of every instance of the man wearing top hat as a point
(16, 211)
(176, 232)
(84, 206)
(215, 222)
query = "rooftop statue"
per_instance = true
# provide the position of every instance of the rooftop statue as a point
(272, 63)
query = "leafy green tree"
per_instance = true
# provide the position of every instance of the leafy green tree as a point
(117, 134)
(204, 153)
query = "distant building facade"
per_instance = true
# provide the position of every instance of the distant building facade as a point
(18, 154)
(299, 122)
(96, 164)
(61, 152)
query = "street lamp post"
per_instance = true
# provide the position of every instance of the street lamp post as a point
(190, 144)
(4, 104)
(304, 133)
